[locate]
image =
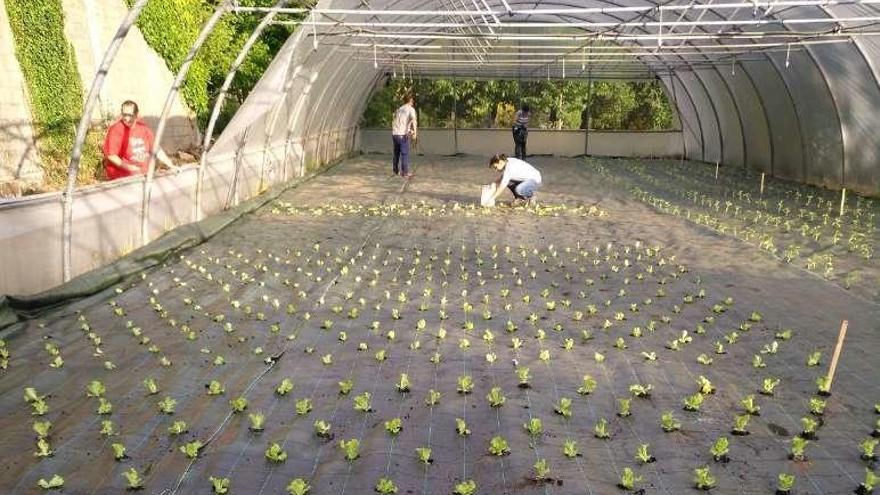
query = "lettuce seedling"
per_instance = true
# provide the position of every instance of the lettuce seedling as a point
(693, 402)
(534, 426)
(135, 482)
(600, 430)
(345, 387)
(351, 448)
(786, 334)
(467, 487)
(740, 424)
(215, 388)
(755, 317)
(668, 422)
(461, 427)
(433, 397)
(542, 470)
(544, 355)
(598, 357)
(867, 486)
(403, 384)
(424, 455)
(720, 449)
(219, 485)
(750, 405)
(784, 483)
(867, 447)
(118, 451)
(498, 446)
(814, 358)
(649, 356)
(703, 478)
(393, 426)
(436, 358)
(768, 385)
(620, 343)
(239, 404)
(643, 456)
(381, 355)
(54, 483)
(628, 479)
(705, 385)
(385, 486)
(322, 429)
(151, 387)
(623, 407)
(41, 428)
(719, 348)
(298, 486)
(303, 406)
(257, 419)
(563, 407)
(362, 402)
(178, 428)
(569, 448)
(495, 397)
(704, 359)
(809, 428)
(275, 454)
(104, 406)
(167, 405)
(327, 359)
(639, 390)
(95, 389)
(465, 384)
(823, 384)
(798, 446)
(43, 449)
(191, 449)
(588, 385)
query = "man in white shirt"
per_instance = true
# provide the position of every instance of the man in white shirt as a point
(522, 179)
(403, 128)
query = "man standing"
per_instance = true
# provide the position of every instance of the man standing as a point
(522, 179)
(521, 131)
(403, 128)
(128, 144)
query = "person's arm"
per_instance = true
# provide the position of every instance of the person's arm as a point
(112, 145)
(501, 184)
(413, 124)
(119, 162)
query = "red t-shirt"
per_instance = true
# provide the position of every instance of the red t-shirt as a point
(132, 144)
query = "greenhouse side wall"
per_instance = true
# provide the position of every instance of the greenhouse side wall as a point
(659, 144)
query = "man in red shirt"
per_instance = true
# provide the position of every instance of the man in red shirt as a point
(128, 144)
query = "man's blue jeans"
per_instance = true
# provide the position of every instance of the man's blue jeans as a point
(523, 189)
(401, 154)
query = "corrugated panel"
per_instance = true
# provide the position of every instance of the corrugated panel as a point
(753, 118)
(728, 116)
(707, 117)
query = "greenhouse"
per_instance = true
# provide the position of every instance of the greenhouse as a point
(687, 304)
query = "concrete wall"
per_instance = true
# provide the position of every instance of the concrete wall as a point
(18, 157)
(138, 73)
(542, 142)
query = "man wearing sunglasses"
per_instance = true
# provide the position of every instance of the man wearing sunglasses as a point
(128, 144)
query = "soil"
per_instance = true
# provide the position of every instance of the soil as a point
(320, 247)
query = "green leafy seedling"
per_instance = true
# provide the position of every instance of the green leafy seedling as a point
(768, 385)
(495, 397)
(570, 448)
(178, 428)
(798, 449)
(623, 407)
(588, 385)
(351, 448)
(219, 485)
(275, 453)
(257, 420)
(362, 402)
(461, 427)
(191, 449)
(720, 449)
(643, 455)
(285, 387)
(239, 404)
(868, 447)
(628, 479)
(167, 405)
(740, 424)
(703, 478)
(95, 389)
(298, 486)
(322, 429)
(118, 451)
(563, 407)
(133, 478)
(534, 426)
(56, 482)
(345, 387)
(393, 426)
(498, 446)
(693, 402)
(385, 486)
(424, 455)
(600, 430)
(668, 422)
(465, 384)
(215, 388)
(467, 487)
(403, 383)
(784, 483)
(750, 405)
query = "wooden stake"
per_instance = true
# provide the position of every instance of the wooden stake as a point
(762, 183)
(842, 200)
(716, 170)
(837, 350)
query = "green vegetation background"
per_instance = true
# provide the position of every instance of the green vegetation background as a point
(565, 104)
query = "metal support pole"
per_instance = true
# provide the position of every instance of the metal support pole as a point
(221, 99)
(83, 129)
(589, 112)
(169, 102)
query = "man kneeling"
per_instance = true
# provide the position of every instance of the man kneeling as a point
(522, 179)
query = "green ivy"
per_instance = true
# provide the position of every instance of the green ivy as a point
(50, 71)
(170, 27)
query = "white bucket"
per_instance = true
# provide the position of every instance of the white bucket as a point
(487, 195)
